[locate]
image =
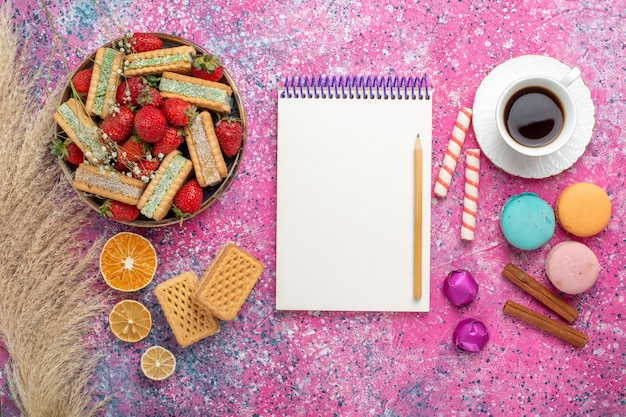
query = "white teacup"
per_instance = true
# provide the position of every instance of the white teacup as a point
(536, 115)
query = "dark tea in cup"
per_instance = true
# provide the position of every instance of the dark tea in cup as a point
(534, 116)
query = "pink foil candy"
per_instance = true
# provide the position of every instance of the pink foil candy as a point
(460, 288)
(471, 335)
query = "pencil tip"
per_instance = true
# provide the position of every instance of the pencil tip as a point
(418, 142)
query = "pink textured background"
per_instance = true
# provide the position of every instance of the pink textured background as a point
(270, 363)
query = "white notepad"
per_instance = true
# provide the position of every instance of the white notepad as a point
(345, 194)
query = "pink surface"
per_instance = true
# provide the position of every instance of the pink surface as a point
(271, 363)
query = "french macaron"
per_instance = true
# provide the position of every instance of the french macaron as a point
(527, 221)
(583, 209)
(572, 267)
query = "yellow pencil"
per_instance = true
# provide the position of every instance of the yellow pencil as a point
(417, 219)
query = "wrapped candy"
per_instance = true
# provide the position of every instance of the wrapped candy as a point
(471, 335)
(460, 287)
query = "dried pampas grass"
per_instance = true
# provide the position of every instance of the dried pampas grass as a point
(46, 271)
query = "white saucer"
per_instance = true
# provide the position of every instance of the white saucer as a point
(484, 122)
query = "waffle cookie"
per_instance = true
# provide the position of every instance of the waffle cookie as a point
(82, 130)
(108, 183)
(188, 321)
(228, 281)
(158, 196)
(205, 151)
(201, 93)
(176, 59)
(104, 81)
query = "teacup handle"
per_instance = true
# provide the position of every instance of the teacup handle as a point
(570, 77)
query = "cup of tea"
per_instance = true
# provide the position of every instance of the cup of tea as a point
(536, 115)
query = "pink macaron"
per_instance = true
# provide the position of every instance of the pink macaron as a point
(572, 267)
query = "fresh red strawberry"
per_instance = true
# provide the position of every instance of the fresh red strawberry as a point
(74, 154)
(144, 168)
(178, 112)
(118, 126)
(150, 124)
(122, 165)
(133, 150)
(69, 151)
(189, 198)
(81, 81)
(128, 92)
(207, 67)
(117, 210)
(150, 95)
(229, 133)
(143, 42)
(171, 140)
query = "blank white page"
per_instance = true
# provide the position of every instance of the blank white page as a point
(345, 203)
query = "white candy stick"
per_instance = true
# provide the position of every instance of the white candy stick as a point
(470, 200)
(453, 151)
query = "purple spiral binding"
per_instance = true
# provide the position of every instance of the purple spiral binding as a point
(389, 87)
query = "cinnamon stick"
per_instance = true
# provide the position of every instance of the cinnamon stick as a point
(553, 327)
(541, 293)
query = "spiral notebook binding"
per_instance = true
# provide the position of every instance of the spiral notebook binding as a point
(355, 87)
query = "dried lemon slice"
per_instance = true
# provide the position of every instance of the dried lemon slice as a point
(130, 321)
(128, 262)
(158, 363)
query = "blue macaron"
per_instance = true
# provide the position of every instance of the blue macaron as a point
(527, 221)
